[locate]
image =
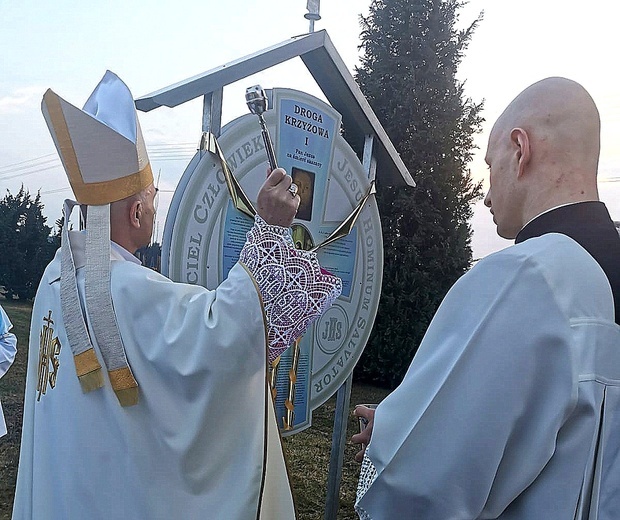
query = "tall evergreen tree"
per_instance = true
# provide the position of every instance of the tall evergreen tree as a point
(411, 53)
(25, 242)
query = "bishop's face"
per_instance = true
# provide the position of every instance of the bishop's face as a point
(503, 196)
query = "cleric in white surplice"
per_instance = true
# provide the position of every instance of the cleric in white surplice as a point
(148, 399)
(8, 349)
(511, 406)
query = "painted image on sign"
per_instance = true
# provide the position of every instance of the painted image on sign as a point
(305, 182)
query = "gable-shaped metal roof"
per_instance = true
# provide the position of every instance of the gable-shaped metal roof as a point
(331, 74)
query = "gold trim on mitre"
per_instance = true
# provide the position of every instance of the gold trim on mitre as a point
(98, 193)
(67, 123)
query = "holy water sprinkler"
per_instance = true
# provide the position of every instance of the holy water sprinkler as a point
(257, 102)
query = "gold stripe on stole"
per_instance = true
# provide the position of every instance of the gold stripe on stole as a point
(88, 370)
(125, 386)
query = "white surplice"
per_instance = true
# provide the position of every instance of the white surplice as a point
(8, 349)
(202, 441)
(511, 406)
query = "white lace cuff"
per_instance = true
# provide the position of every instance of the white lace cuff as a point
(368, 474)
(294, 288)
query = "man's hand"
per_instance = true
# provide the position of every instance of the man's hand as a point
(275, 203)
(366, 415)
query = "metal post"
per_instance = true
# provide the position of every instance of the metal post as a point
(313, 7)
(336, 458)
(212, 113)
(369, 162)
(343, 396)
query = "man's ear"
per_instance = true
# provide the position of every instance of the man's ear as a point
(135, 213)
(521, 141)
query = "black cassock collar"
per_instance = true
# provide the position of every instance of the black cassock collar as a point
(588, 224)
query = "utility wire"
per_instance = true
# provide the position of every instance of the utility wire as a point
(163, 152)
(7, 177)
(28, 160)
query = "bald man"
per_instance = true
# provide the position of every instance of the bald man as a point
(511, 407)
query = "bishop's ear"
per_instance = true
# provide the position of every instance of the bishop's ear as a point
(521, 142)
(135, 213)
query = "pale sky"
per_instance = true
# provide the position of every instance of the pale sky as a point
(67, 46)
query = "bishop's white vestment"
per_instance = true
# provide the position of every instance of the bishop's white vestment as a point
(201, 443)
(511, 406)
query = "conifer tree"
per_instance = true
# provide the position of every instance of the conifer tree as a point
(26, 244)
(408, 72)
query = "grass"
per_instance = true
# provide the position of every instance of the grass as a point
(307, 452)
(308, 456)
(12, 396)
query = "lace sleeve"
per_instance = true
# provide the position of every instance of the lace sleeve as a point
(294, 288)
(368, 474)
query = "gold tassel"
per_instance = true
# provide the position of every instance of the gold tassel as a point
(88, 370)
(273, 376)
(127, 396)
(289, 403)
(125, 386)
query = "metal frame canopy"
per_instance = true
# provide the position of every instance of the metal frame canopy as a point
(329, 71)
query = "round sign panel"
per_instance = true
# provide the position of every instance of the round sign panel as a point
(204, 235)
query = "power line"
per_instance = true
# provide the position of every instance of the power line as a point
(7, 177)
(162, 152)
(57, 190)
(169, 155)
(171, 145)
(27, 160)
(31, 166)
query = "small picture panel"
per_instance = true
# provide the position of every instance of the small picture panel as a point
(305, 182)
